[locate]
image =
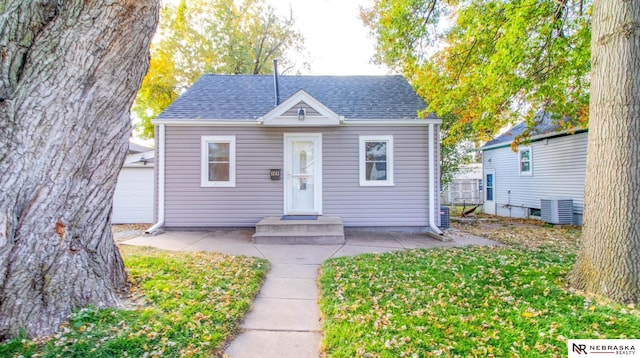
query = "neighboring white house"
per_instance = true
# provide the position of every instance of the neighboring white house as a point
(133, 198)
(466, 186)
(551, 166)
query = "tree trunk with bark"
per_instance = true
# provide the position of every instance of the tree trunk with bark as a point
(69, 73)
(608, 262)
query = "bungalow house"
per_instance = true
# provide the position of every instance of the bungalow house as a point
(530, 182)
(234, 149)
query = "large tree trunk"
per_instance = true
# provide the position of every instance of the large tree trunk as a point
(69, 73)
(609, 259)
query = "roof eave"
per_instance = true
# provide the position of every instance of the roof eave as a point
(256, 122)
(393, 122)
(207, 122)
(538, 138)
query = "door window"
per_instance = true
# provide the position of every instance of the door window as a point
(489, 187)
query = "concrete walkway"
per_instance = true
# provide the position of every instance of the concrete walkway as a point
(285, 318)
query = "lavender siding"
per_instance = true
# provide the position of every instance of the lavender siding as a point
(259, 149)
(309, 111)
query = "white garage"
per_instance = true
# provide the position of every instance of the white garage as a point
(133, 198)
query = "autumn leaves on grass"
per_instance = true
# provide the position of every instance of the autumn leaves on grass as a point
(475, 301)
(187, 304)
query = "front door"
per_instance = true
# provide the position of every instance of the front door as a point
(490, 191)
(303, 174)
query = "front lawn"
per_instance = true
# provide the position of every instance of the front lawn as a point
(182, 304)
(467, 302)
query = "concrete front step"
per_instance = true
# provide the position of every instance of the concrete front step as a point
(322, 223)
(326, 230)
(298, 239)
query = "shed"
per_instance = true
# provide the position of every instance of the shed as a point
(134, 194)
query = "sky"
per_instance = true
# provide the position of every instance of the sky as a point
(336, 39)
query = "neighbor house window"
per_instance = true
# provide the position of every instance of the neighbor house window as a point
(524, 160)
(218, 167)
(376, 160)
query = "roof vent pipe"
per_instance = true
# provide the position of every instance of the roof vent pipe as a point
(275, 81)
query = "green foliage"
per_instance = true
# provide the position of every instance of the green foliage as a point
(464, 302)
(489, 62)
(211, 36)
(453, 157)
(183, 304)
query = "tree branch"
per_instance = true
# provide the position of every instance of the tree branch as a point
(258, 61)
(425, 22)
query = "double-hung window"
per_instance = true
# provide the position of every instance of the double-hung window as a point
(524, 161)
(218, 161)
(376, 160)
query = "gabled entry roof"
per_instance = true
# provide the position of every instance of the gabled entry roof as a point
(287, 113)
(250, 97)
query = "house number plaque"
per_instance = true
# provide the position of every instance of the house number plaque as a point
(275, 174)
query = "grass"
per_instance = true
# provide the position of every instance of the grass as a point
(508, 301)
(524, 233)
(183, 305)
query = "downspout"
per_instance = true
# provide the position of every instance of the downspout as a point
(432, 182)
(160, 167)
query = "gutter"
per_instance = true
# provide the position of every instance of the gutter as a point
(260, 122)
(432, 182)
(160, 167)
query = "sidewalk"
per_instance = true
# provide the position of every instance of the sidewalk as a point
(285, 319)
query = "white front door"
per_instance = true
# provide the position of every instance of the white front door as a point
(490, 191)
(303, 174)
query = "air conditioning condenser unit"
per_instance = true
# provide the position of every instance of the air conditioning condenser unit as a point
(557, 211)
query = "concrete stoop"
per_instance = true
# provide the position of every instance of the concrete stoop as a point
(326, 230)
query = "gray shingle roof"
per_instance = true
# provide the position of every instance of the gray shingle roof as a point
(544, 125)
(137, 148)
(248, 97)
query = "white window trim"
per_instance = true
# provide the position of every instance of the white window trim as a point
(204, 161)
(363, 164)
(530, 171)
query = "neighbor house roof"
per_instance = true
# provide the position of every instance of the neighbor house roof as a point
(544, 127)
(142, 159)
(137, 148)
(249, 97)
